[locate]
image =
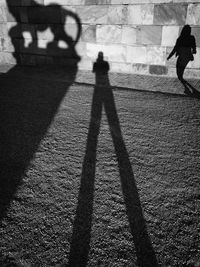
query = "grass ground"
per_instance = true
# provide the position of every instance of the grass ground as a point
(83, 189)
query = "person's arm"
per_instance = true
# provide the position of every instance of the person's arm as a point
(174, 50)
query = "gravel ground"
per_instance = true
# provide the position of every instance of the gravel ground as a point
(97, 177)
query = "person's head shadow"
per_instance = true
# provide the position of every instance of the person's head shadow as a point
(29, 103)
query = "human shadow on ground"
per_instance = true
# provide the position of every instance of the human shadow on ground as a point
(80, 244)
(28, 104)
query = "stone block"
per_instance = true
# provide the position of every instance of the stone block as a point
(1, 45)
(136, 54)
(108, 34)
(64, 2)
(131, 2)
(3, 14)
(71, 30)
(81, 48)
(147, 35)
(157, 70)
(129, 34)
(193, 17)
(192, 73)
(156, 55)
(3, 30)
(88, 33)
(112, 53)
(140, 69)
(172, 61)
(97, 2)
(196, 33)
(7, 58)
(13, 15)
(117, 15)
(93, 14)
(172, 72)
(170, 14)
(196, 63)
(121, 67)
(85, 65)
(140, 14)
(170, 35)
(3, 3)
(9, 45)
(68, 14)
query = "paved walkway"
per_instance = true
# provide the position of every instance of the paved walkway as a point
(131, 81)
(91, 176)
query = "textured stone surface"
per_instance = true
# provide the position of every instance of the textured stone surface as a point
(158, 70)
(108, 34)
(3, 13)
(196, 33)
(136, 54)
(140, 14)
(129, 32)
(149, 35)
(193, 17)
(64, 2)
(89, 33)
(168, 14)
(121, 67)
(129, 35)
(117, 15)
(115, 53)
(196, 63)
(172, 61)
(92, 14)
(140, 69)
(156, 55)
(170, 35)
(3, 30)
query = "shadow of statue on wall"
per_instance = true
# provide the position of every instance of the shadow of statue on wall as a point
(184, 50)
(80, 245)
(30, 102)
(52, 17)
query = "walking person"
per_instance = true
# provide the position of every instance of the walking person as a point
(184, 49)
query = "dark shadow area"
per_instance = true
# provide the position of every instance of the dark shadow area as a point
(28, 104)
(184, 50)
(190, 89)
(80, 244)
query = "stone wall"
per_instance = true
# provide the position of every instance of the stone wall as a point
(135, 35)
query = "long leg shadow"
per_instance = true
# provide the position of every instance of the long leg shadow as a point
(80, 244)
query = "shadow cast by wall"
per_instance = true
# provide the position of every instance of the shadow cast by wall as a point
(80, 245)
(28, 105)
